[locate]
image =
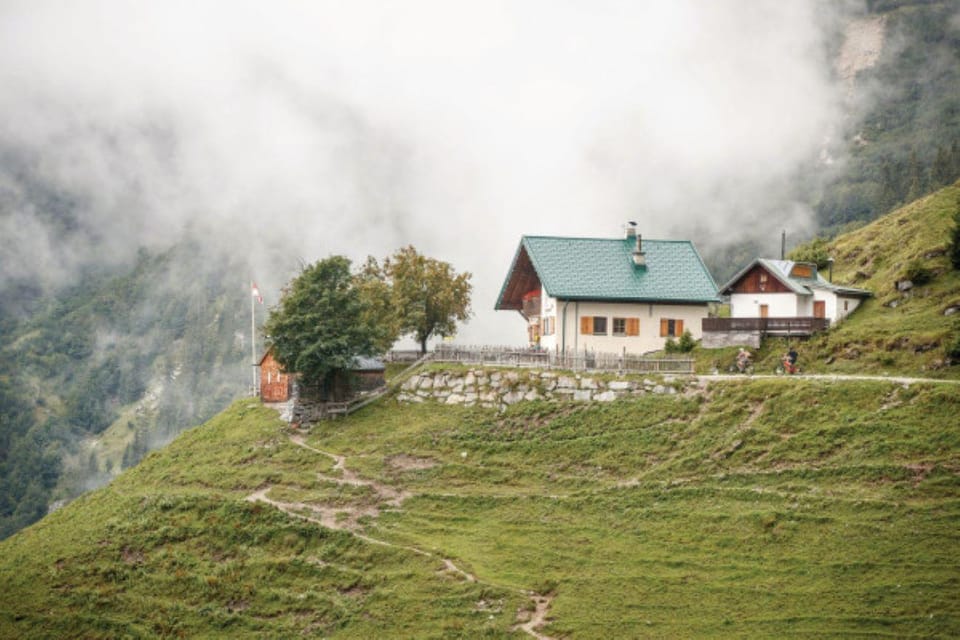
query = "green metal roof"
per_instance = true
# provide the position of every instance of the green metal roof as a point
(603, 269)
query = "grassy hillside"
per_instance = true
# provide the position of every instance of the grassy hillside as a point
(896, 332)
(756, 508)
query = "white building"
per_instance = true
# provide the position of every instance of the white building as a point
(779, 297)
(610, 295)
(787, 289)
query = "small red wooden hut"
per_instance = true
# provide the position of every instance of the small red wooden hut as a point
(274, 383)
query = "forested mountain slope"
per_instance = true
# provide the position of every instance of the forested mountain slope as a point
(145, 351)
(904, 106)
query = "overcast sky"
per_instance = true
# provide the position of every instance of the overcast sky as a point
(357, 127)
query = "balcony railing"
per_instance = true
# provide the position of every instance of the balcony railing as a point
(768, 326)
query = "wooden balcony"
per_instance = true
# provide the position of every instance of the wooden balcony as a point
(767, 326)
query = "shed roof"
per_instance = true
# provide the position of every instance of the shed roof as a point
(603, 269)
(367, 363)
(782, 270)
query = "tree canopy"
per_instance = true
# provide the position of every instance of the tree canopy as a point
(323, 322)
(427, 296)
(328, 315)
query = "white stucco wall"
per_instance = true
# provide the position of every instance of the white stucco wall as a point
(829, 303)
(788, 305)
(780, 305)
(833, 304)
(571, 339)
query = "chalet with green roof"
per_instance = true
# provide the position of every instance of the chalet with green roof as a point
(613, 295)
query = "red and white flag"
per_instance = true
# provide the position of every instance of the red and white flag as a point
(256, 292)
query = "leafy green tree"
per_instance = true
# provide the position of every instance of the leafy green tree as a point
(377, 313)
(941, 172)
(428, 296)
(915, 181)
(319, 326)
(889, 186)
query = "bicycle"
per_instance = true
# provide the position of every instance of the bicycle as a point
(746, 368)
(786, 367)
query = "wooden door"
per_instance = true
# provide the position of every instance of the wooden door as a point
(819, 309)
(764, 311)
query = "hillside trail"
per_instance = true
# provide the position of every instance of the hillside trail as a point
(830, 377)
(347, 518)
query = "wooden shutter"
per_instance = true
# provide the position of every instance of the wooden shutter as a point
(664, 327)
(678, 327)
(586, 325)
(633, 326)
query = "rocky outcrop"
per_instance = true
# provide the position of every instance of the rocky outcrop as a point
(498, 388)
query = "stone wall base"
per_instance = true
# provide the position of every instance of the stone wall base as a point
(720, 339)
(496, 388)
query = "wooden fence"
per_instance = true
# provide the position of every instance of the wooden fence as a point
(579, 361)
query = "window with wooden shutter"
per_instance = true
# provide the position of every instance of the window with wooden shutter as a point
(619, 326)
(633, 326)
(599, 326)
(586, 325)
(670, 328)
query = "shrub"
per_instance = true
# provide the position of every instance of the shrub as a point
(918, 273)
(952, 349)
(815, 251)
(686, 343)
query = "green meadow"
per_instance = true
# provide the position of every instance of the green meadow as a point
(755, 508)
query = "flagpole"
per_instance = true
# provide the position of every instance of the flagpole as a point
(253, 337)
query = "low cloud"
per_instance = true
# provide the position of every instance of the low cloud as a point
(304, 129)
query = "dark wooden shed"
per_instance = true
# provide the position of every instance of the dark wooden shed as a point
(368, 373)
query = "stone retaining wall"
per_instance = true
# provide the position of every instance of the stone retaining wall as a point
(301, 409)
(720, 339)
(495, 388)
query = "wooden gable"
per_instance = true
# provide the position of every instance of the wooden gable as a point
(523, 280)
(758, 280)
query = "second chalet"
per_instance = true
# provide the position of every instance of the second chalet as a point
(609, 295)
(779, 298)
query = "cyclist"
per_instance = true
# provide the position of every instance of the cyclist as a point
(790, 360)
